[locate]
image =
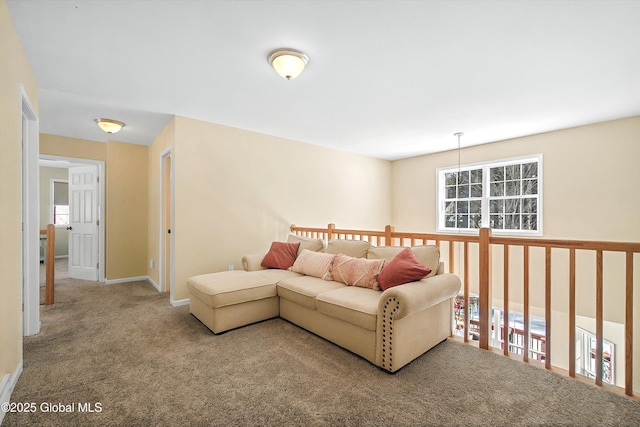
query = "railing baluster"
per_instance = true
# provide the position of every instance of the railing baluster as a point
(525, 356)
(572, 312)
(599, 311)
(505, 329)
(628, 327)
(466, 291)
(547, 308)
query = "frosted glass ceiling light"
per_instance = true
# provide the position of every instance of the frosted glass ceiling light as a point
(110, 126)
(288, 63)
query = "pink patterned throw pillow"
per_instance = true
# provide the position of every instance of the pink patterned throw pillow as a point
(281, 255)
(357, 271)
(403, 268)
(316, 264)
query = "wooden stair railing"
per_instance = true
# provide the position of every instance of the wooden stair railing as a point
(485, 241)
(50, 250)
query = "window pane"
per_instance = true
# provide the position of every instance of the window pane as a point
(497, 189)
(450, 221)
(450, 178)
(497, 222)
(496, 206)
(512, 188)
(463, 177)
(529, 222)
(475, 206)
(463, 207)
(451, 192)
(497, 174)
(529, 205)
(475, 221)
(512, 172)
(512, 205)
(530, 186)
(463, 221)
(463, 191)
(512, 222)
(476, 190)
(530, 170)
(450, 208)
(476, 176)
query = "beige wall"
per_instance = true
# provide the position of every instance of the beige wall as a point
(237, 191)
(64, 146)
(126, 189)
(15, 71)
(62, 235)
(125, 198)
(590, 192)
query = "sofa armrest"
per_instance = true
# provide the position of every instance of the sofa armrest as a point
(417, 296)
(252, 262)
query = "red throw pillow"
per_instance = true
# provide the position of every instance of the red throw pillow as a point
(403, 268)
(281, 255)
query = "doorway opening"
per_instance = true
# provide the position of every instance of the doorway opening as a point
(79, 224)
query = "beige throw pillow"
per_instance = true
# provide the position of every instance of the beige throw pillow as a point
(357, 271)
(316, 264)
(306, 243)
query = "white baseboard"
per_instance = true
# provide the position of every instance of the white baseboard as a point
(125, 280)
(153, 283)
(7, 384)
(180, 302)
(61, 256)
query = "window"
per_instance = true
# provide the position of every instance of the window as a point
(503, 195)
(59, 202)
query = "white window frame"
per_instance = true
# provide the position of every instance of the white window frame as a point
(52, 183)
(485, 222)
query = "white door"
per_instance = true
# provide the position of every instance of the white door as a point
(83, 222)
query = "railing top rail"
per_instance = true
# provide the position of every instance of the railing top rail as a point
(567, 244)
(495, 240)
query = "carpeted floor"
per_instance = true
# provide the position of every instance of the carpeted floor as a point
(137, 361)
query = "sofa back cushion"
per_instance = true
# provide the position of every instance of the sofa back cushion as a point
(428, 255)
(314, 245)
(360, 272)
(316, 264)
(352, 248)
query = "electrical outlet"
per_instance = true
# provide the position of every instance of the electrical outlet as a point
(152, 263)
(231, 267)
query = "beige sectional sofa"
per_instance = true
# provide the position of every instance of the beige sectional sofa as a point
(388, 328)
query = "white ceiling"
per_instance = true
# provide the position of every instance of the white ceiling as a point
(389, 79)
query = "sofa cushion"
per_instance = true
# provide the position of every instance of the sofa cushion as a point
(314, 245)
(352, 304)
(353, 248)
(428, 255)
(304, 289)
(281, 255)
(403, 268)
(232, 287)
(316, 264)
(357, 271)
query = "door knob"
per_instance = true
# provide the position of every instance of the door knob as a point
(69, 228)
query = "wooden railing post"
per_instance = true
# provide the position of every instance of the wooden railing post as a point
(50, 270)
(485, 287)
(388, 231)
(330, 229)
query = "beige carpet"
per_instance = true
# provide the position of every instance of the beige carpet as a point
(146, 363)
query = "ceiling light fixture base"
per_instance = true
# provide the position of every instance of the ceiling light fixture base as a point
(110, 126)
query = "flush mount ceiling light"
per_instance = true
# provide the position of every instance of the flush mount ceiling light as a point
(110, 126)
(288, 63)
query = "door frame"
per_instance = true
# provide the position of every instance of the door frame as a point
(101, 198)
(30, 207)
(167, 153)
